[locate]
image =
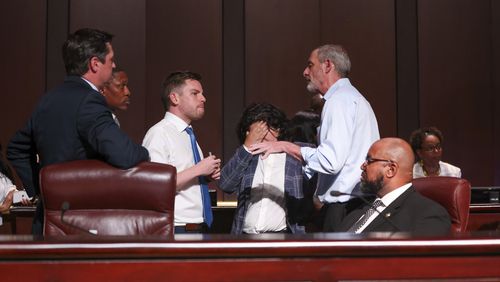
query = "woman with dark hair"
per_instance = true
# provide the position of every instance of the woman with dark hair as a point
(270, 192)
(427, 146)
(303, 127)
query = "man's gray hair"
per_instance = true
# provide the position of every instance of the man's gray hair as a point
(338, 56)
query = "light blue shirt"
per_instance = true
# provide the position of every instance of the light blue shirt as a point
(348, 129)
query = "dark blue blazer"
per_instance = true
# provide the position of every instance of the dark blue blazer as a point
(71, 122)
(410, 212)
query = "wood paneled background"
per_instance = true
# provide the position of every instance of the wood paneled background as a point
(419, 63)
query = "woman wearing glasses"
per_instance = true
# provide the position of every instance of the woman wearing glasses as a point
(426, 143)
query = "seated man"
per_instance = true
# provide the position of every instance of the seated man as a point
(387, 173)
(270, 193)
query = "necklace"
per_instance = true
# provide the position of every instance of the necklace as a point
(425, 171)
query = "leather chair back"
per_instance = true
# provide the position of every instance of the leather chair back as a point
(112, 201)
(451, 193)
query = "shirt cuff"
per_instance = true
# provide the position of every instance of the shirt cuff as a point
(12, 188)
(306, 153)
(246, 149)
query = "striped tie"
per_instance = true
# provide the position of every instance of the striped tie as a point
(356, 226)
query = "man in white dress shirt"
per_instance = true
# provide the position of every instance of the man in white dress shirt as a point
(348, 128)
(168, 142)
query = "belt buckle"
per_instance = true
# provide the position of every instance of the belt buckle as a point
(196, 227)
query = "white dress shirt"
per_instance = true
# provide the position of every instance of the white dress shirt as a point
(445, 169)
(168, 142)
(91, 84)
(266, 211)
(115, 118)
(348, 129)
(5, 187)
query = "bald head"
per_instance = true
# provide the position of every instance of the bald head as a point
(399, 151)
(388, 166)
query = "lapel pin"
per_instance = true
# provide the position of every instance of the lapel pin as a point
(387, 214)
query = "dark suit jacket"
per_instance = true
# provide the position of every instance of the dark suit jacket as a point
(71, 122)
(410, 212)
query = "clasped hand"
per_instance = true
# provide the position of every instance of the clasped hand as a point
(210, 167)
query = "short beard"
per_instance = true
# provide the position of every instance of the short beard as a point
(312, 88)
(372, 187)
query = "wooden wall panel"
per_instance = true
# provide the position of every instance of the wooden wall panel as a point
(407, 67)
(367, 30)
(277, 48)
(280, 34)
(186, 35)
(125, 19)
(233, 71)
(455, 82)
(22, 75)
(57, 32)
(458, 77)
(495, 36)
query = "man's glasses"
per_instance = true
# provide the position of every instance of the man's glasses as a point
(370, 160)
(436, 147)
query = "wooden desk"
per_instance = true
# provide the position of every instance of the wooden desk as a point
(484, 217)
(18, 220)
(270, 257)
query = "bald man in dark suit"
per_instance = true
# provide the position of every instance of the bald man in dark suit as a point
(387, 173)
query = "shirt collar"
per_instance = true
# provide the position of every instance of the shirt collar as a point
(179, 124)
(91, 84)
(339, 83)
(394, 194)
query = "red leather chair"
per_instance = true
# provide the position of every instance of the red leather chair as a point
(112, 201)
(450, 192)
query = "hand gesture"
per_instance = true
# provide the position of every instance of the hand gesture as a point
(266, 148)
(215, 175)
(208, 165)
(26, 202)
(256, 133)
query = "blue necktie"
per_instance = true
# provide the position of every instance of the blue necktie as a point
(207, 209)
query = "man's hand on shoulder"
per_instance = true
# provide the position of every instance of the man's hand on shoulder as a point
(267, 148)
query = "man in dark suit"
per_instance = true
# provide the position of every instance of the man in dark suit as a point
(387, 173)
(73, 121)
